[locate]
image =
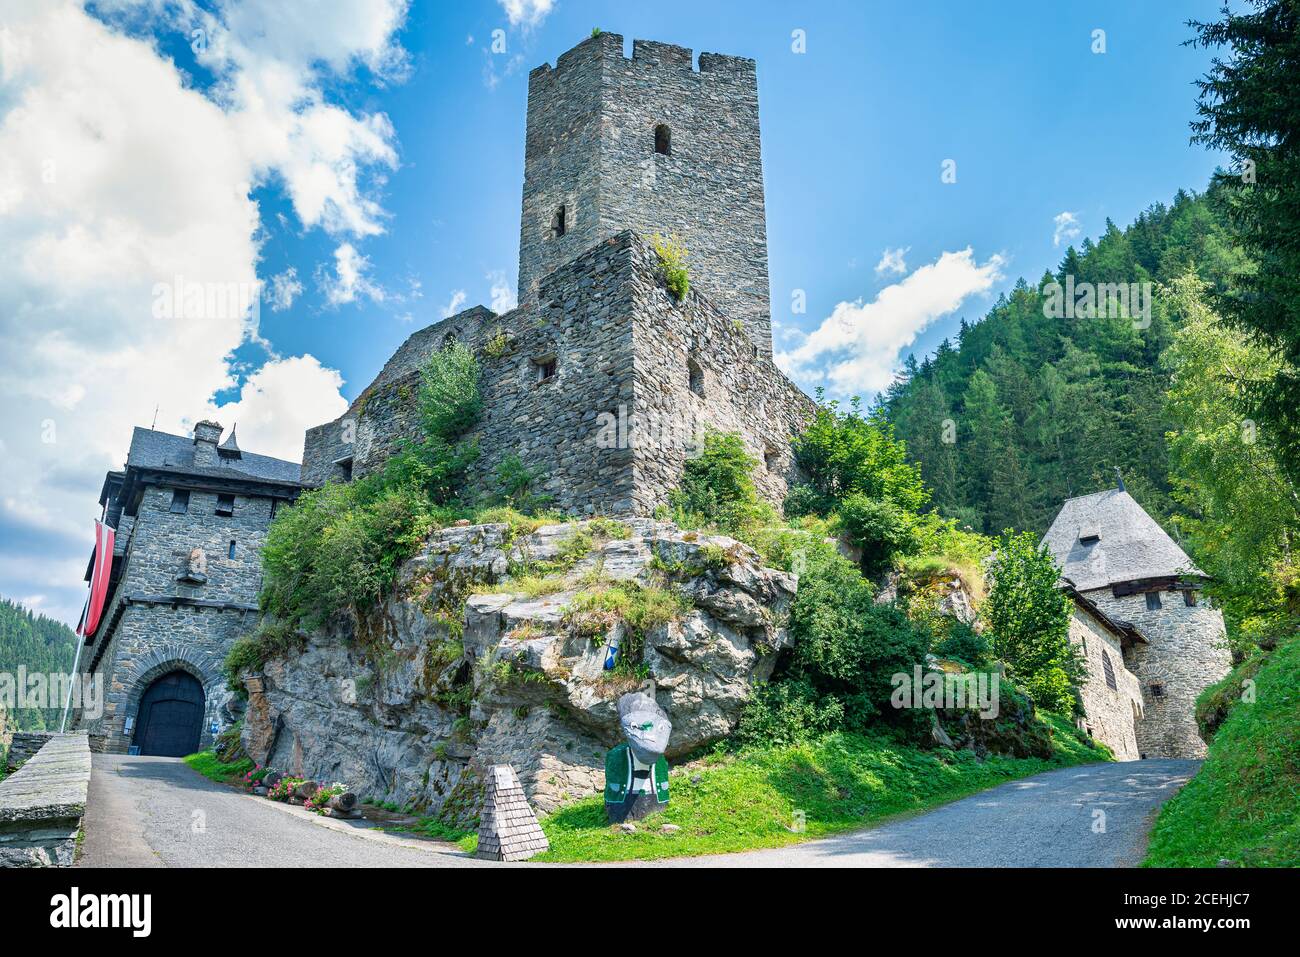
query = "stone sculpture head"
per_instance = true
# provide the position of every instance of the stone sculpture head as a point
(645, 725)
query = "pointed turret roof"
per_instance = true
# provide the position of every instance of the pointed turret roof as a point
(230, 448)
(1106, 538)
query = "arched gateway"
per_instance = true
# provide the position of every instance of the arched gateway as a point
(170, 718)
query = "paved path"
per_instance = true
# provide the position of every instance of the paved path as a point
(157, 812)
(1046, 820)
(142, 812)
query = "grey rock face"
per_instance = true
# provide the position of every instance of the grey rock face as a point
(443, 682)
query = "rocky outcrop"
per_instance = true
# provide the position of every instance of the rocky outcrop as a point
(492, 651)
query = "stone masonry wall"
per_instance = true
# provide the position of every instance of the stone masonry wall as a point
(1187, 651)
(1111, 715)
(591, 148)
(155, 636)
(42, 804)
(24, 745)
(739, 389)
(610, 431)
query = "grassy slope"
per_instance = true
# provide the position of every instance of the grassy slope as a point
(206, 763)
(841, 782)
(1243, 803)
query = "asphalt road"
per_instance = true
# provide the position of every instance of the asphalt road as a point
(1099, 815)
(157, 812)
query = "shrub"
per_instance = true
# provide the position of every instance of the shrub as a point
(340, 547)
(252, 652)
(514, 486)
(786, 713)
(878, 527)
(964, 643)
(1030, 620)
(717, 486)
(858, 471)
(672, 264)
(847, 453)
(846, 647)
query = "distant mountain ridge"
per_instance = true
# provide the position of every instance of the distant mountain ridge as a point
(38, 644)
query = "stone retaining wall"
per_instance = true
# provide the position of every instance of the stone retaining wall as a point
(23, 746)
(41, 804)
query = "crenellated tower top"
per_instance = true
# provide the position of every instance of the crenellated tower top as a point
(655, 144)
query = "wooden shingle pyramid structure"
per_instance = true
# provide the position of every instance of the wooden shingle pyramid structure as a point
(508, 828)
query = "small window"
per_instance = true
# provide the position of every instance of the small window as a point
(1157, 689)
(771, 460)
(230, 552)
(1189, 598)
(695, 377)
(663, 140)
(344, 467)
(559, 225)
(1153, 601)
(1109, 669)
(275, 507)
(181, 501)
(546, 368)
(226, 505)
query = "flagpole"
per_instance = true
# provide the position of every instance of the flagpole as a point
(63, 725)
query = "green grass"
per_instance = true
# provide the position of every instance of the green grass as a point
(1242, 805)
(747, 801)
(206, 763)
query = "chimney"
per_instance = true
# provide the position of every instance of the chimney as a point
(206, 436)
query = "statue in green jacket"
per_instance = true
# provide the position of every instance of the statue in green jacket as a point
(636, 773)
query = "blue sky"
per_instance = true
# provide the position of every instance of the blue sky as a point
(364, 159)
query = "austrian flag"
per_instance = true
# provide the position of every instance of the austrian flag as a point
(104, 536)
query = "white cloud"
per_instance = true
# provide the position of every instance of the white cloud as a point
(892, 262)
(856, 349)
(279, 402)
(453, 306)
(284, 289)
(120, 176)
(349, 280)
(503, 297)
(1067, 227)
(529, 13)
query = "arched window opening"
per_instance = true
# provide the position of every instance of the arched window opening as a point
(663, 140)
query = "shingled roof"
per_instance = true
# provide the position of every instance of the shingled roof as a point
(1106, 538)
(161, 450)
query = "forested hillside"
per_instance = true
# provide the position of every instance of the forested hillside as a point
(38, 644)
(1040, 408)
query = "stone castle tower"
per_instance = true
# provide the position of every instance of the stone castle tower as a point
(649, 144)
(1124, 571)
(600, 381)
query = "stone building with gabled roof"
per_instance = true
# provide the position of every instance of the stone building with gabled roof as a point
(190, 515)
(1125, 573)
